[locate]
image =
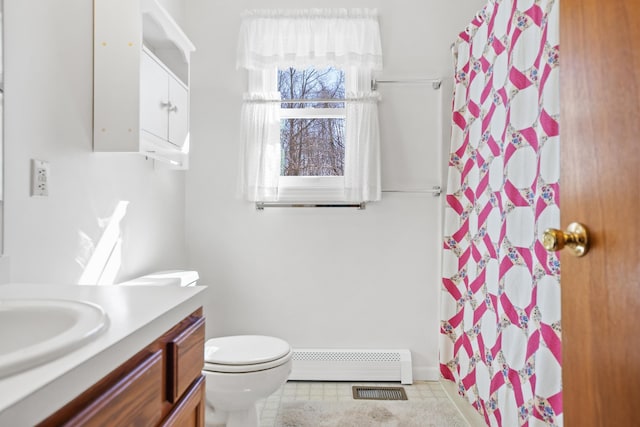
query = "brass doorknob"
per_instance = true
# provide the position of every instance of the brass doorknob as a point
(576, 239)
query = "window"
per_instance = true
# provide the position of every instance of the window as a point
(310, 118)
(312, 133)
(312, 121)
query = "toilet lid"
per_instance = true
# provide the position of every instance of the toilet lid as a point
(242, 350)
(166, 278)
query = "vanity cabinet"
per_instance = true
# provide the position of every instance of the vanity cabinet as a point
(141, 72)
(162, 385)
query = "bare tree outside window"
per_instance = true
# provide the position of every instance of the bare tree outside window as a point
(312, 145)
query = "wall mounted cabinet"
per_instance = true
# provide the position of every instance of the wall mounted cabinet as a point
(141, 81)
(164, 103)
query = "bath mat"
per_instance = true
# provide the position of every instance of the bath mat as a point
(425, 413)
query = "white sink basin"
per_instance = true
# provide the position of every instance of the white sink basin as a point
(35, 331)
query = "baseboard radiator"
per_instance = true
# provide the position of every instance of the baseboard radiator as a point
(317, 364)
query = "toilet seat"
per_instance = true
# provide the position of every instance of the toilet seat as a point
(245, 353)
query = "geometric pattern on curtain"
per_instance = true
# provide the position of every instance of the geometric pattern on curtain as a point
(500, 337)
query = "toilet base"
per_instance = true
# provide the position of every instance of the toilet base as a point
(248, 418)
(243, 418)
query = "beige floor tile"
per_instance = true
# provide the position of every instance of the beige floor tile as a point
(338, 392)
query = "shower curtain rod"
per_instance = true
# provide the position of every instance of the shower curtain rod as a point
(435, 83)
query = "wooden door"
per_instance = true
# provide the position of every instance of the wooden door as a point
(600, 184)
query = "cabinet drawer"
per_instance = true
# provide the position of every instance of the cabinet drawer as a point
(189, 411)
(186, 359)
(134, 400)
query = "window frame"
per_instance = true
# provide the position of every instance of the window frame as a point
(315, 187)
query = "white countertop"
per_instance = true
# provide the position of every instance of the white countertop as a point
(137, 315)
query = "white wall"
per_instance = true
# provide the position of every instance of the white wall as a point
(332, 278)
(48, 115)
(176, 9)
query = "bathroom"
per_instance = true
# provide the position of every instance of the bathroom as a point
(319, 278)
(370, 265)
(352, 264)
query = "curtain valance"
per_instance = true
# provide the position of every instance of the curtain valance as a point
(310, 37)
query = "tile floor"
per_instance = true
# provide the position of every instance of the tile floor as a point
(337, 391)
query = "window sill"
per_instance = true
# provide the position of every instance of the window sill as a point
(311, 195)
(311, 189)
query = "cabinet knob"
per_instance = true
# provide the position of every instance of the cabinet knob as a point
(169, 106)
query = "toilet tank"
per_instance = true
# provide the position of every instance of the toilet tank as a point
(166, 278)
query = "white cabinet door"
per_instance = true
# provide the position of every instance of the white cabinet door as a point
(154, 97)
(178, 112)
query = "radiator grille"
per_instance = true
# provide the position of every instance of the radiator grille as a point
(347, 356)
(379, 393)
(320, 364)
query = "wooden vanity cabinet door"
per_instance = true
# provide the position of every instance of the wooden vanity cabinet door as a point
(189, 411)
(161, 385)
(185, 357)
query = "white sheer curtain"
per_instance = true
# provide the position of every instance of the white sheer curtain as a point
(362, 135)
(260, 149)
(272, 39)
(310, 37)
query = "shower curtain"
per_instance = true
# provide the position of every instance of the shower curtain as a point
(500, 314)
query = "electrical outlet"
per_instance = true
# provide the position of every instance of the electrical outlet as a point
(39, 178)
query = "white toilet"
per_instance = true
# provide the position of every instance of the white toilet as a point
(239, 370)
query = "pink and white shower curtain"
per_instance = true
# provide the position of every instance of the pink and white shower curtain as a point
(500, 321)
